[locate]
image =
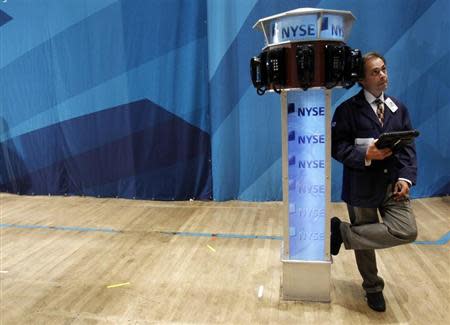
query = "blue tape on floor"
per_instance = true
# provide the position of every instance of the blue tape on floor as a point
(202, 234)
(82, 229)
(441, 241)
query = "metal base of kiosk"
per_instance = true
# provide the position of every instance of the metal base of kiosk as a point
(306, 280)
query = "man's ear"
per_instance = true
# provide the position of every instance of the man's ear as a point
(360, 84)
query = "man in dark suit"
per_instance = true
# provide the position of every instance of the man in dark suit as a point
(374, 180)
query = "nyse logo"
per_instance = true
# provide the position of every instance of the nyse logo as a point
(312, 213)
(295, 31)
(311, 189)
(291, 160)
(291, 184)
(311, 139)
(291, 136)
(311, 164)
(291, 207)
(291, 108)
(311, 111)
(336, 29)
(311, 235)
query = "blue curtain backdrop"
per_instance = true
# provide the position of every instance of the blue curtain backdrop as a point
(105, 98)
(152, 98)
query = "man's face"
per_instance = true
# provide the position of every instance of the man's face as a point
(375, 76)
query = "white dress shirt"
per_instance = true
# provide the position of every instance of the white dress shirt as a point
(371, 100)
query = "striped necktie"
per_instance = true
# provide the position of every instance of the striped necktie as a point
(380, 110)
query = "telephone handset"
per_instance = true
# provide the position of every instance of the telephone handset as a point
(334, 65)
(258, 73)
(305, 65)
(276, 68)
(353, 67)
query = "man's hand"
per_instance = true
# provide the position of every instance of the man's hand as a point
(401, 191)
(373, 153)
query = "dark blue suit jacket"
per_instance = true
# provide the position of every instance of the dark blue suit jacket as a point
(365, 186)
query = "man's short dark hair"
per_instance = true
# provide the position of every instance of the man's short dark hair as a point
(366, 57)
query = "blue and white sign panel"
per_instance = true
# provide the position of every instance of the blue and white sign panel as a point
(332, 27)
(306, 174)
(295, 28)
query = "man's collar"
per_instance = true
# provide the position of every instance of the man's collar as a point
(371, 98)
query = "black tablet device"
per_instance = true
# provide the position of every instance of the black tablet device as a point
(396, 140)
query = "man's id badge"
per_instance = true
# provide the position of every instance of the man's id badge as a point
(389, 103)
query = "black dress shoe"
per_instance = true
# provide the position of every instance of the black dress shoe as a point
(336, 237)
(376, 301)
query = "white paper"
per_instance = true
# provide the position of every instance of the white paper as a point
(364, 142)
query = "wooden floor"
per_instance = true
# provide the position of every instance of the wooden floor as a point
(55, 275)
